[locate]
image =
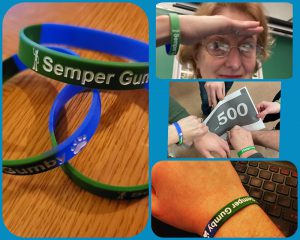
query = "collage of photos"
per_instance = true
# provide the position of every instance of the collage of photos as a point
(230, 62)
(123, 122)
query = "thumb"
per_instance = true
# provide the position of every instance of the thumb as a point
(207, 154)
(263, 114)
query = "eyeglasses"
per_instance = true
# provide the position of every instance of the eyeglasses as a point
(221, 49)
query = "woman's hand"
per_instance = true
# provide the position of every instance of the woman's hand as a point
(194, 28)
(187, 194)
(264, 108)
(215, 92)
(191, 127)
(240, 138)
(211, 144)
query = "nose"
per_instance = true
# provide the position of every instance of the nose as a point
(233, 59)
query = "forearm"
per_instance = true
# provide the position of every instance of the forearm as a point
(269, 139)
(172, 135)
(251, 221)
(162, 30)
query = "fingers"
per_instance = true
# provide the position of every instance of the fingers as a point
(215, 91)
(263, 114)
(246, 24)
(213, 98)
(249, 31)
(207, 154)
(260, 106)
(209, 97)
(224, 151)
(221, 153)
(247, 27)
(262, 109)
(227, 149)
(221, 93)
(224, 91)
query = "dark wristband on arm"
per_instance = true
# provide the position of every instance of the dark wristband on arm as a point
(81, 71)
(225, 213)
(256, 155)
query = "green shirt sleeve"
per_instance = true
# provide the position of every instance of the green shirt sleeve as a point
(176, 111)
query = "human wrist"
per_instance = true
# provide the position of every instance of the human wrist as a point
(172, 135)
(184, 28)
(209, 208)
(234, 221)
(261, 227)
(248, 154)
(162, 30)
(172, 46)
(225, 213)
(246, 151)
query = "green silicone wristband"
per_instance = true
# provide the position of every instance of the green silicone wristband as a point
(102, 189)
(225, 213)
(81, 71)
(172, 48)
(105, 190)
(246, 149)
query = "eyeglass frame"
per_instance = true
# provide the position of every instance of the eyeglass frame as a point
(258, 47)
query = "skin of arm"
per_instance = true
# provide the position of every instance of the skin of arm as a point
(250, 221)
(172, 135)
(162, 30)
(241, 138)
(194, 28)
(191, 127)
(268, 138)
(211, 144)
(188, 194)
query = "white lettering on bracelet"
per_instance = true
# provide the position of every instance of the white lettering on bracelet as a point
(126, 77)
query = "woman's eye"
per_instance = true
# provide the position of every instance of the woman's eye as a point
(247, 47)
(217, 45)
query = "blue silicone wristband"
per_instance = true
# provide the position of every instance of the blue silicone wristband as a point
(81, 71)
(84, 133)
(89, 184)
(179, 132)
(64, 151)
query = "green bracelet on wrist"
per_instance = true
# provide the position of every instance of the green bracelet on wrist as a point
(172, 48)
(246, 149)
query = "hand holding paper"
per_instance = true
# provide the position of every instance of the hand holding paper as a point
(236, 108)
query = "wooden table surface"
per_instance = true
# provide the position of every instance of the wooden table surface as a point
(49, 204)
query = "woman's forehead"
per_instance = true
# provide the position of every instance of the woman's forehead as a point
(234, 14)
(230, 37)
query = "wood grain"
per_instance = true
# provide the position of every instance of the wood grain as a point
(49, 204)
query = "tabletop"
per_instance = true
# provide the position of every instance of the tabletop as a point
(50, 204)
